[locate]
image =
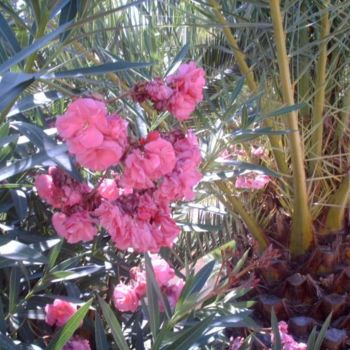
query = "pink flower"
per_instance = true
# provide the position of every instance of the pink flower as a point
(84, 119)
(59, 312)
(287, 340)
(187, 83)
(259, 152)
(173, 290)
(75, 227)
(252, 181)
(236, 343)
(60, 190)
(77, 343)
(98, 158)
(125, 298)
(142, 167)
(138, 281)
(159, 93)
(162, 271)
(108, 189)
(97, 141)
(159, 157)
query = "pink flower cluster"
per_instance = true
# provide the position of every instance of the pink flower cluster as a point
(97, 140)
(58, 314)
(77, 343)
(127, 296)
(287, 340)
(178, 93)
(133, 205)
(252, 181)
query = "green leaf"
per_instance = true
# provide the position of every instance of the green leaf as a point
(96, 70)
(241, 136)
(29, 162)
(7, 343)
(14, 289)
(38, 44)
(177, 60)
(196, 283)
(241, 261)
(18, 251)
(100, 334)
(20, 203)
(189, 336)
(152, 299)
(32, 101)
(277, 343)
(322, 333)
(7, 36)
(64, 334)
(76, 272)
(114, 325)
(312, 338)
(68, 13)
(282, 111)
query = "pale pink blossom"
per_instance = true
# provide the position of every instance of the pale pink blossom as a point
(288, 342)
(162, 270)
(97, 141)
(108, 189)
(75, 227)
(59, 312)
(187, 83)
(60, 190)
(236, 343)
(159, 93)
(173, 290)
(77, 343)
(258, 152)
(125, 298)
(252, 181)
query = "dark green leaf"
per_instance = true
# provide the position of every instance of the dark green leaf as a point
(100, 334)
(64, 334)
(282, 111)
(68, 13)
(7, 36)
(177, 60)
(38, 44)
(277, 343)
(20, 202)
(7, 343)
(18, 251)
(196, 283)
(33, 101)
(114, 325)
(96, 70)
(322, 333)
(14, 288)
(77, 272)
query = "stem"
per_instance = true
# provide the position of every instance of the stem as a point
(319, 101)
(302, 235)
(275, 141)
(304, 83)
(335, 216)
(233, 204)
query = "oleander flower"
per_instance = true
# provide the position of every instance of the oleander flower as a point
(125, 298)
(77, 343)
(252, 181)
(59, 312)
(75, 227)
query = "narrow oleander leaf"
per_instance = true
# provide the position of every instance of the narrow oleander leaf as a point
(277, 343)
(8, 37)
(196, 283)
(20, 202)
(38, 44)
(18, 251)
(114, 325)
(177, 60)
(7, 343)
(322, 333)
(68, 13)
(152, 300)
(64, 334)
(74, 273)
(96, 70)
(33, 101)
(14, 288)
(100, 334)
